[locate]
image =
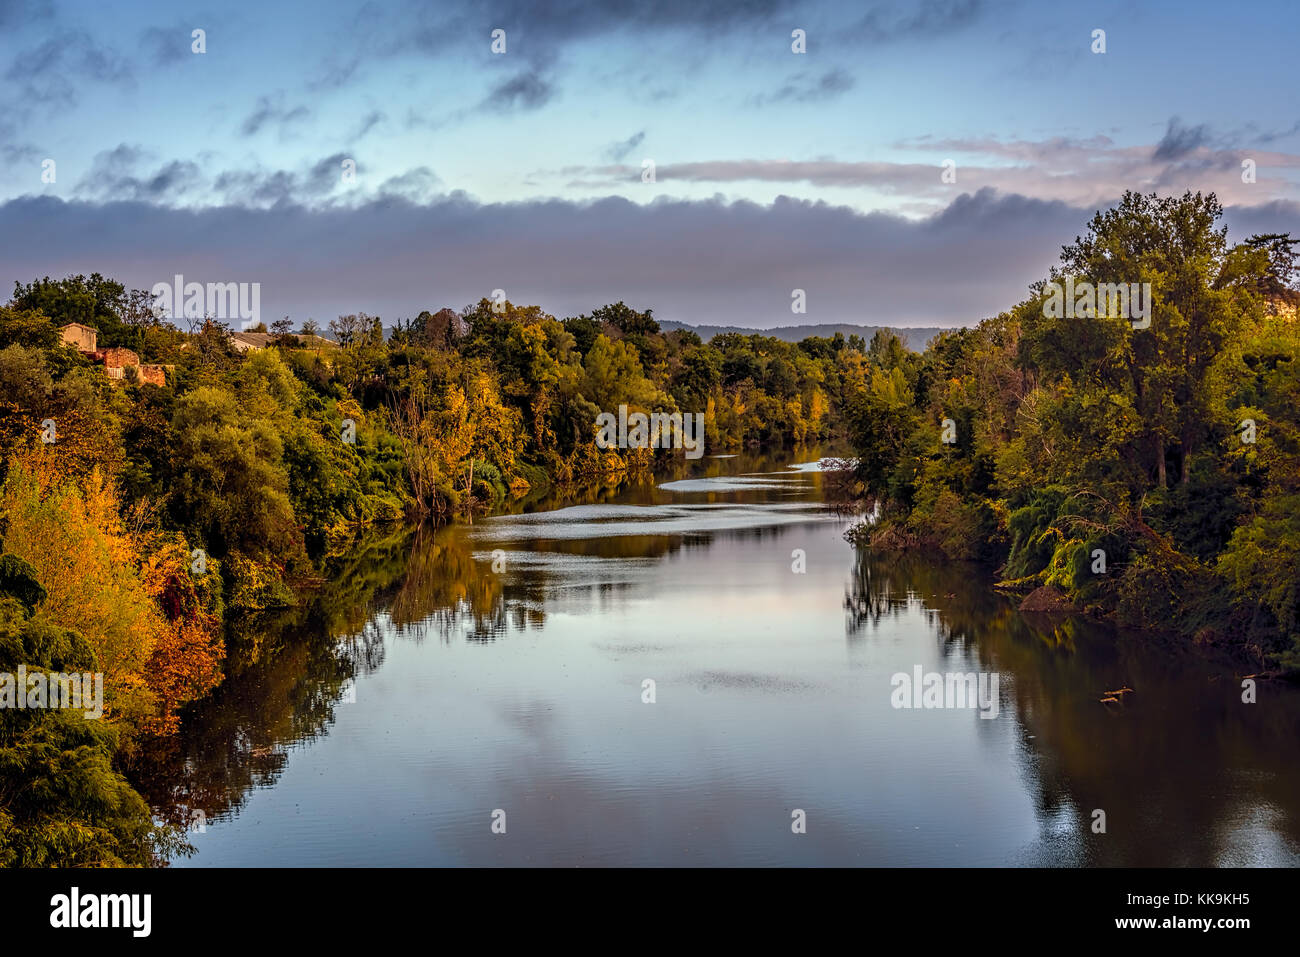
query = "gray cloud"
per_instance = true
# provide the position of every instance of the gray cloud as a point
(551, 24)
(113, 175)
(325, 175)
(257, 188)
(278, 188)
(802, 88)
(617, 152)
(1269, 136)
(526, 90)
(12, 150)
(368, 123)
(540, 31)
(167, 45)
(889, 22)
(1077, 171)
(16, 153)
(15, 14)
(414, 186)
(691, 261)
(1179, 140)
(271, 110)
(46, 71)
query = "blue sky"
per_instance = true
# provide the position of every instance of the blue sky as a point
(522, 170)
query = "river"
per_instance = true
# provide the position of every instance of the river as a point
(701, 671)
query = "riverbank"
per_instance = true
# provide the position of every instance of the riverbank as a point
(1102, 601)
(503, 665)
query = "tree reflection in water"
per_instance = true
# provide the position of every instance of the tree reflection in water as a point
(1185, 772)
(1165, 762)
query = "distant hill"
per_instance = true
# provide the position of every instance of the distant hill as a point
(915, 338)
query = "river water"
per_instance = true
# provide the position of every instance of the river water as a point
(702, 672)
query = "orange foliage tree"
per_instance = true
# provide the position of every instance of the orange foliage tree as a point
(106, 583)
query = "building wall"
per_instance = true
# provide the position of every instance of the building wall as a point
(154, 375)
(119, 358)
(80, 337)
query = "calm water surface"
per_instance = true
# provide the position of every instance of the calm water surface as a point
(387, 719)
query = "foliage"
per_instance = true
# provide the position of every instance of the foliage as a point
(1152, 474)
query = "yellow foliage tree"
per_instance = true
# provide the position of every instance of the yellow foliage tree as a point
(105, 583)
(88, 565)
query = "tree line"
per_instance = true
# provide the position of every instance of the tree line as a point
(1145, 472)
(1150, 475)
(139, 521)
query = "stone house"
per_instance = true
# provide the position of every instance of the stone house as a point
(115, 359)
(83, 338)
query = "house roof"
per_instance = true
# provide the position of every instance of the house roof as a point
(306, 340)
(264, 339)
(252, 338)
(69, 325)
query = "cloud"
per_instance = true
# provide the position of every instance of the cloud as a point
(541, 31)
(415, 186)
(694, 261)
(890, 22)
(1280, 215)
(552, 24)
(1179, 140)
(801, 88)
(320, 186)
(15, 14)
(16, 153)
(167, 45)
(1081, 172)
(324, 175)
(13, 151)
(256, 188)
(272, 110)
(1201, 145)
(368, 123)
(526, 90)
(46, 70)
(274, 188)
(113, 175)
(1269, 136)
(617, 152)
(538, 32)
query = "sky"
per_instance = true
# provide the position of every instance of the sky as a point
(394, 157)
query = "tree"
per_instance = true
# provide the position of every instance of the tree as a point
(230, 488)
(92, 301)
(61, 802)
(88, 565)
(347, 329)
(1164, 371)
(1277, 278)
(27, 327)
(439, 330)
(625, 319)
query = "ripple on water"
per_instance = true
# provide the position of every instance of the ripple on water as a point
(600, 521)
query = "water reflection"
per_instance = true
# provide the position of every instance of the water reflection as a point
(1187, 774)
(448, 672)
